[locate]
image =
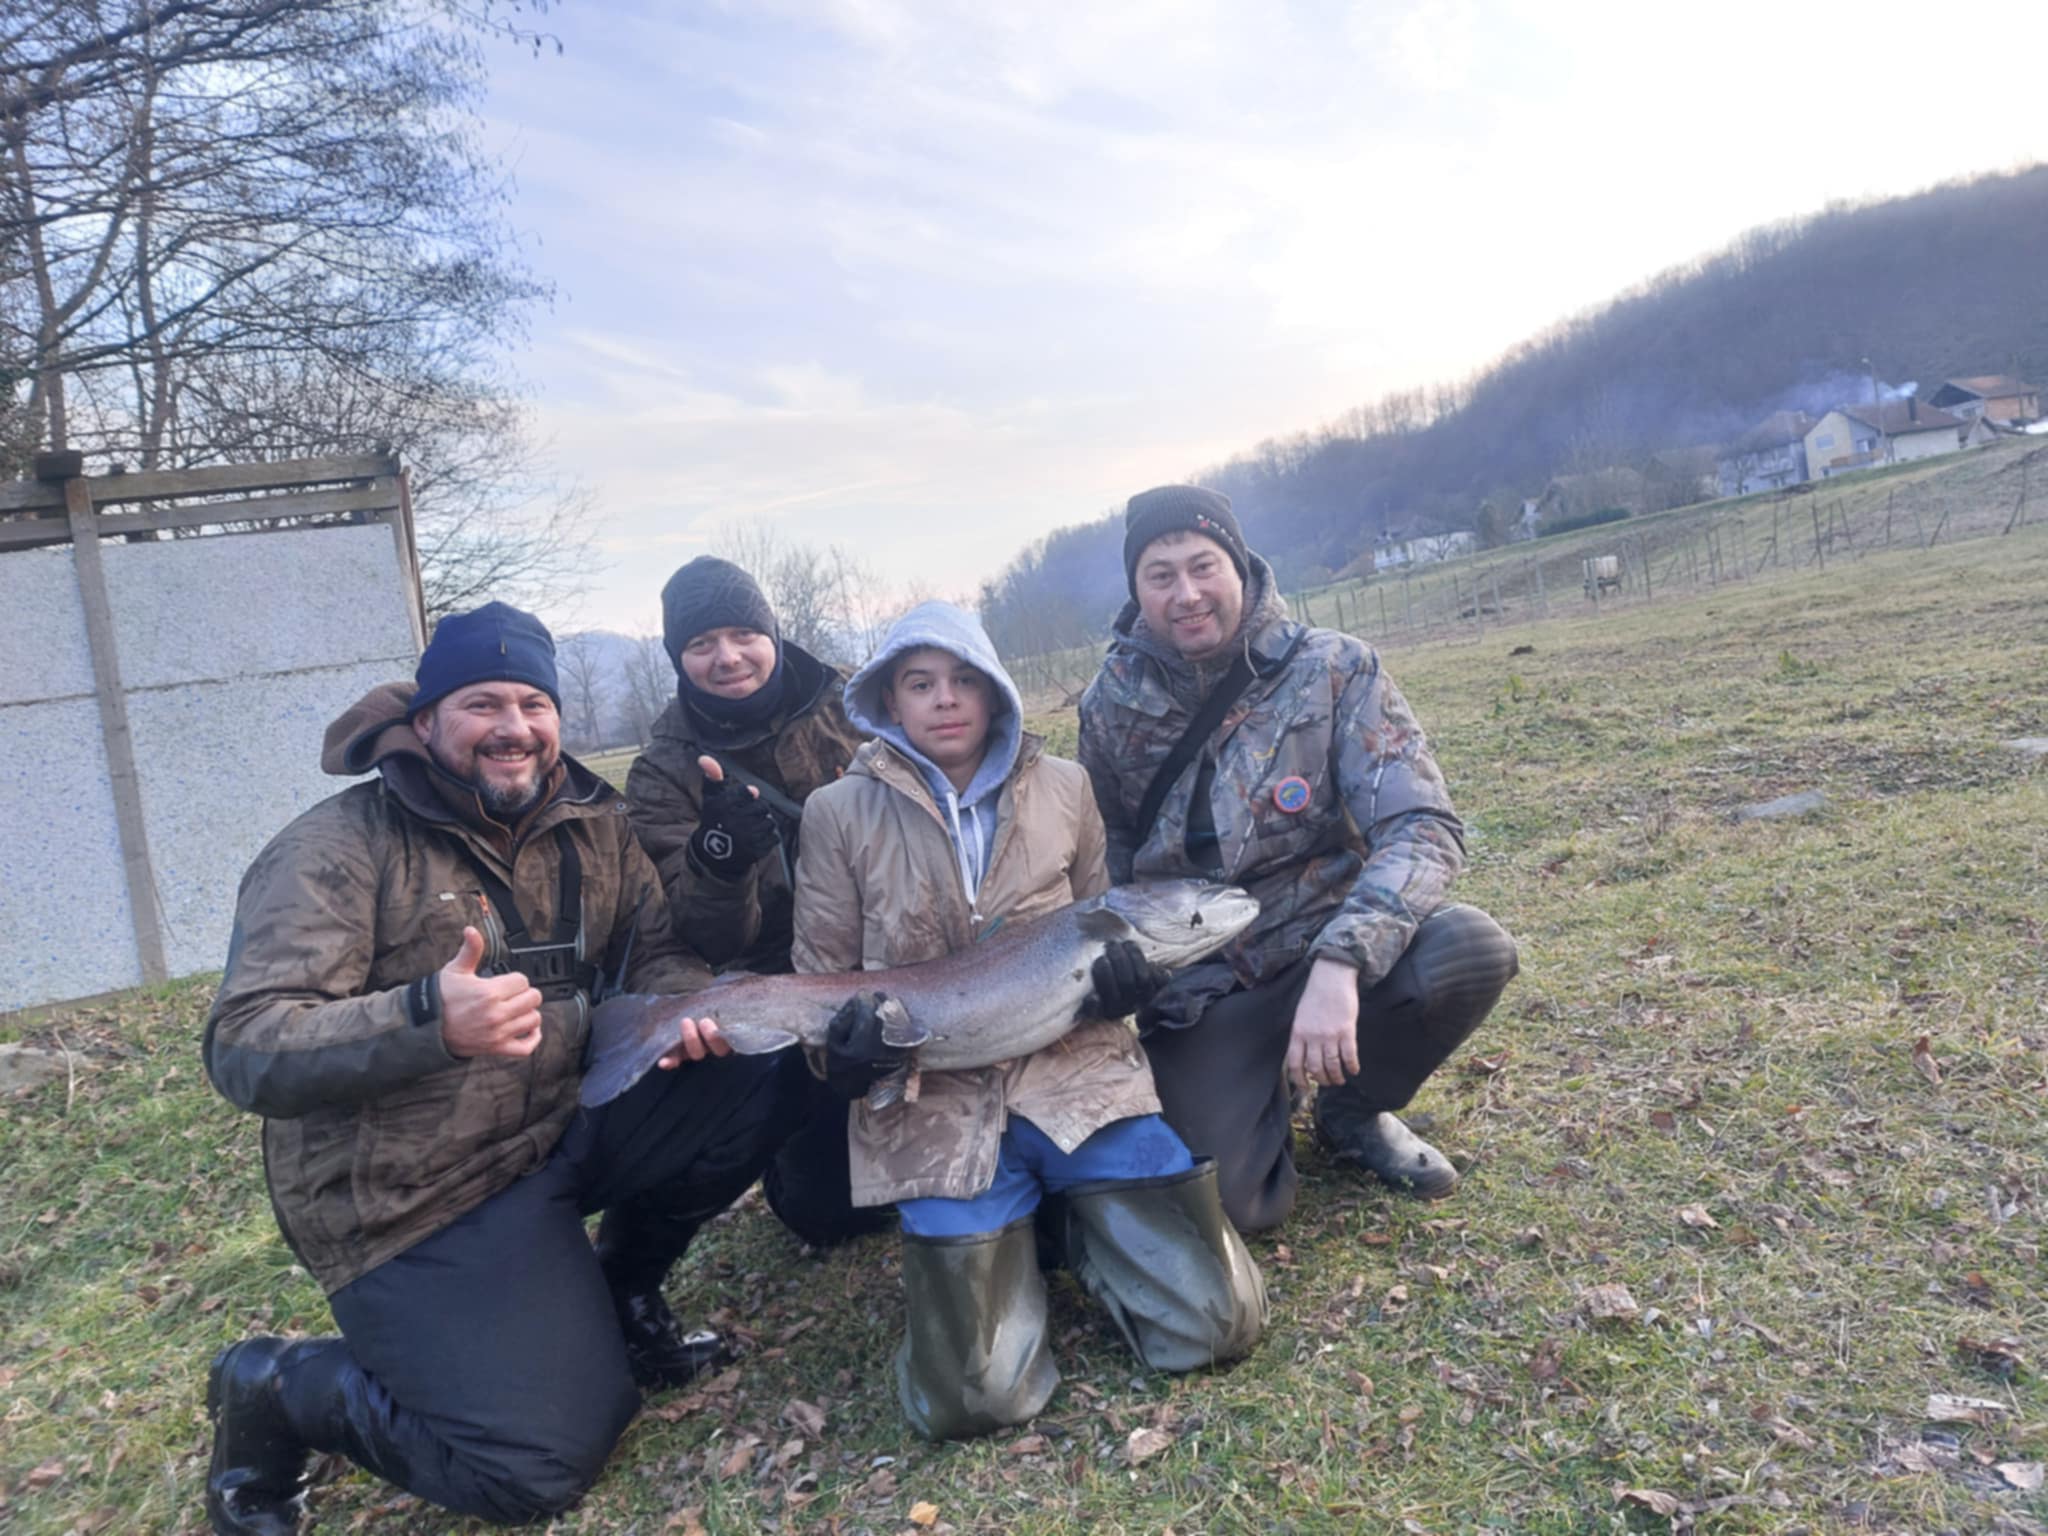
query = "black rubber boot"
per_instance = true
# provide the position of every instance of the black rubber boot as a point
(256, 1481)
(1409, 1023)
(1161, 1255)
(973, 1357)
(1380, 1142)
(636, 1249)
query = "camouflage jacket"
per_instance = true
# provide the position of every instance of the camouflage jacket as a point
(375, 1137)
(1326, 802)
(877, 885)
(738, 924)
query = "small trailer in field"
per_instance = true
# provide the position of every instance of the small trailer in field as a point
(1603, 574)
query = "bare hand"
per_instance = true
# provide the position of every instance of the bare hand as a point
(486, 1015)
(1324, 1045)
(700, 1039)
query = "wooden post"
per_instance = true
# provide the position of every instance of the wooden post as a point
(1383, 612)
(1643, 548)
(119, 742)
(1542, 597)
(1819, 554)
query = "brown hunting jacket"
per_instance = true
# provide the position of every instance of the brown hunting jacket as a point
(878, 885)
(738, 924)
(1322, 795)
(375, 1137)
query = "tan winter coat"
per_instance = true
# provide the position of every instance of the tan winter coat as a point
(374, 1136)
(744, 923)
(878, 885)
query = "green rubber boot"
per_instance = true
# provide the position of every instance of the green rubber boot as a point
(1177, 1279)
(973, 1357)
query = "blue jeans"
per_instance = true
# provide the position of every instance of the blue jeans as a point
(1031, 1164)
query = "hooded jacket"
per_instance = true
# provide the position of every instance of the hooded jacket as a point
(741, 923)
(1322, 795)
(374, 1136)
(898, 868)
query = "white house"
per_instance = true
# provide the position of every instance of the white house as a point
(1423, 549)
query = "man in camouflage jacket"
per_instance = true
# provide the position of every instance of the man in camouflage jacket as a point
(1316, 791)
(406, 1003)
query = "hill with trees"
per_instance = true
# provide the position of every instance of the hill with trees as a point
(1800, 315)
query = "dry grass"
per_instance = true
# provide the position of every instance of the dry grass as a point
(1704, 1088)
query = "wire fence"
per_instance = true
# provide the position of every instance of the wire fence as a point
(1664, 557)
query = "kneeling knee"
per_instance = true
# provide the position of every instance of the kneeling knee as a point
(538, 1482)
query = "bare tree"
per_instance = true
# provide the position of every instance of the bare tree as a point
(236, 229)
(827, 601)
(583, 689)
(650, 684)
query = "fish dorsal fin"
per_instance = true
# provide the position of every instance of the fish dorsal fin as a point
(1101, 923)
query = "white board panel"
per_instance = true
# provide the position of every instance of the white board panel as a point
(43, 651)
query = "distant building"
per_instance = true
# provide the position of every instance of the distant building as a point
(1768, 457)
(1991, 396)
(1859, 436)
(1393, 552)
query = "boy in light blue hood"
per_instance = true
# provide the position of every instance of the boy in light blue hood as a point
(953, 820)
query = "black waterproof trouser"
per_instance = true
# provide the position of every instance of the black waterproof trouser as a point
(809, 1184)
(483, 1368)
(1222, 1081)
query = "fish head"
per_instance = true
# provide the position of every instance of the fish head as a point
(1176, 922)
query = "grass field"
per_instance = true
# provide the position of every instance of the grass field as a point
(1785, 1082)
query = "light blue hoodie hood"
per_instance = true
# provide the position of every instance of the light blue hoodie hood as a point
(970, 817)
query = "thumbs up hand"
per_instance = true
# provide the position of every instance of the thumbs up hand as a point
(486, 1015)
(736, 831)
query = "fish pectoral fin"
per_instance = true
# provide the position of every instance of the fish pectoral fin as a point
(1101, 923)
(893, 1088)
(899, 1030)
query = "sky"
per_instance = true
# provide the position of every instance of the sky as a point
(930, 280)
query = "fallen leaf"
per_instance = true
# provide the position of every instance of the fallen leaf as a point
(1144, 1444)
(1945, 1408)
(1920, 1458)
(1484, 1066)
(687, 1522)
(1411, 1413)
(808, 1417)
(882, 1485)
(791, 1449)
(739, 1458)
(1924, 1062)
(43, 1475)
(1653, 1499)
(1027, 1445)
(924, 1513)
(1663, 1120)
(1376, 1239)
(1789, 1433)
(2023, 1475)
(1529, 1237)
(1696, 1216)
(1609, 1303)
(1397, 1296)
(1543, 1365)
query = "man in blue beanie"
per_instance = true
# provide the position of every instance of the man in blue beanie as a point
(406, 1002)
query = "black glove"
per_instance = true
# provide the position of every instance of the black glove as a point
(737, 831)
(1125, 980)
(855, 1057)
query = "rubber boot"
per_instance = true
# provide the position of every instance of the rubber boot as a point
(1161, 1255)
(1439, 991)
(636, 1248)
(973, 1357)
(256, 1480)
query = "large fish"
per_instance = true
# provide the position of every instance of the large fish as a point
(1017, 991)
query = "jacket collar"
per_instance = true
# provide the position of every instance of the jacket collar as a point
(806, 680)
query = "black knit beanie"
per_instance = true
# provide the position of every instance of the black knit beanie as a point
(1176, 508)
(710, 593)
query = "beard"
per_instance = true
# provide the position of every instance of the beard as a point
(504, 800)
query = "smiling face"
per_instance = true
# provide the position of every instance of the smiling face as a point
(944, 705)
(730, 662)
(503, 739)
(1190, 593)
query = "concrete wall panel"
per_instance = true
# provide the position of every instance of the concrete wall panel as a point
(43, 653)
(242, 605)
(225, 766)
(65, 926)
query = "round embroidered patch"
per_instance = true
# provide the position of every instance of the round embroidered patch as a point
(1291, 794)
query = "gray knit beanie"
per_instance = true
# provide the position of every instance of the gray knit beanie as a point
(710, 593)
(1181, 509)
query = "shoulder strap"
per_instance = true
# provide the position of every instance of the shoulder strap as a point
(771, 797)
(1206, 719)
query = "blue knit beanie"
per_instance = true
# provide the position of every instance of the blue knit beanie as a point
(496, 643)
